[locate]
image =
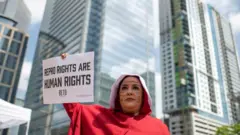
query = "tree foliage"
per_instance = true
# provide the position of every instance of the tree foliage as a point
(229, 130)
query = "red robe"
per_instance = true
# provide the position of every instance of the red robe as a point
(97, 120)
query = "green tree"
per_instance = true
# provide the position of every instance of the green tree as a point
(229, 130)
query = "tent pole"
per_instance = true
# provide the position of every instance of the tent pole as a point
(27, 129)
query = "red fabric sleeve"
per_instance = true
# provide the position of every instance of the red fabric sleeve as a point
(70, 107)
(74, 112)
(165, 130)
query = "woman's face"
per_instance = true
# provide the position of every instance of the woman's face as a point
(130, 95)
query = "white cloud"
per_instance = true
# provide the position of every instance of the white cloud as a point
(234, 19)
(134, 66)
(25, 74)
(224, 6)
(36, 8)
(229, 9)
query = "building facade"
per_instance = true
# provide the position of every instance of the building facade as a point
(119, 32)
(224, 41)
(15, 19)
(18, 11)
(195, 68)
(12, 51)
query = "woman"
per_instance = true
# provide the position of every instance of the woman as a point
(129, 112)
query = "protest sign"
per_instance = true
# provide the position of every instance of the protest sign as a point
(68, 80)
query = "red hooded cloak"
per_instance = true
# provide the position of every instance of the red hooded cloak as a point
(97, 120)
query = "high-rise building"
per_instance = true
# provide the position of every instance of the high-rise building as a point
(119, 32)
(12, 50)
(199, 67)
(18, 11)
(13, 44)
(14, 22)
(228, 62)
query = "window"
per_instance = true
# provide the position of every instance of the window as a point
(11, 62)
(2, 56)
(4, 43)
(7, 31)
(7, 77)
(18, 36)
(4, 92)
(15, 47)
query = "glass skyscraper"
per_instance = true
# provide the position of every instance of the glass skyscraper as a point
(119, 32)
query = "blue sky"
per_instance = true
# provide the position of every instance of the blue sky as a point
(228, 8)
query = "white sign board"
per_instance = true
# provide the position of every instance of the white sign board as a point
(68, 80)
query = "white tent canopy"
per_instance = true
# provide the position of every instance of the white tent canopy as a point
(12, 115)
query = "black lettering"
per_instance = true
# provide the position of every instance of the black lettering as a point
(62, 92)
(53, 70)
(64, 68)
(58, 69)
(53, 82)
(74, 68)
(59, 82)
(80, 67)
(88, 78)
(78, 79)
(73, 80)
(45, 72)
(84, 66)
(83, 79)
(88, 66)
(49, 71)
(46, 84)
(66, 82)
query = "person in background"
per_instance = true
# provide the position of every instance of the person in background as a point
(129, 112)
